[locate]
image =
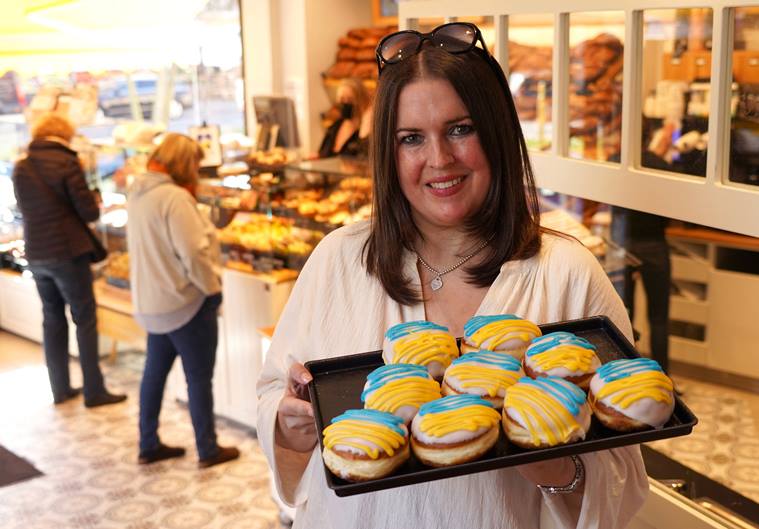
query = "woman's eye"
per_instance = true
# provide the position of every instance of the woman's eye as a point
(461, 130)
(410, 139)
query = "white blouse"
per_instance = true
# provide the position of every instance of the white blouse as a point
(337, 309)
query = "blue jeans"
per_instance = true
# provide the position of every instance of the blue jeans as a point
(60, 284)
(195, 343)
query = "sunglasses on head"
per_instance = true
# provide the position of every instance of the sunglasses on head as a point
(454, 37)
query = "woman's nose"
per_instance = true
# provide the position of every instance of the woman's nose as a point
(439, 154)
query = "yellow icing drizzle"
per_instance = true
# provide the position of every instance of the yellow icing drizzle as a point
(409, 391)
(625, 391)
(489, 379)
(382, 436)
(421, 348)
(555, 424)
(470, 418)
(503, 331)
(573, 357)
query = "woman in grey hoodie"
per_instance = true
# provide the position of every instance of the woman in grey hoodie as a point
(176, 292)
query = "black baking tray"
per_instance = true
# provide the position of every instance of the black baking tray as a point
(337, 384)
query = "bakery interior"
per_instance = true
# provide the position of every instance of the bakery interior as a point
(635, 106)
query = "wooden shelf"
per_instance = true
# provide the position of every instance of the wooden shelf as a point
(715, 236)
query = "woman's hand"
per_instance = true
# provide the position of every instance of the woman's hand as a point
(295, 415)
(554, 472)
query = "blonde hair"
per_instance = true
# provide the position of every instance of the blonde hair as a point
(53, 124)
(180, 155)
(363, 98)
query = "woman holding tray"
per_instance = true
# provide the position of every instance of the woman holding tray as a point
(455, 233)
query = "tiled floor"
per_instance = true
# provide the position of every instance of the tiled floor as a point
(88, 457)
(724, 444)
(91, 479)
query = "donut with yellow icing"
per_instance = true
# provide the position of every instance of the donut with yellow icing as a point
(563, 355)
(502, 333)
(453, 430)
(485, 374)
(361, 445)
(545, 412)
(631, 394)
(399, 389)
(422, 343)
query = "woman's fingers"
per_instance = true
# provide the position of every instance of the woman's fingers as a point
(299, 378)
(299, 375)
(301, 424)
(293, 406)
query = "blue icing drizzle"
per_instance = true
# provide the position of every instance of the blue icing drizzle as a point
(378, 417)
(499, 360)
(382, 375)
(478, 322)
(569, 395)
(452, 402)
(551, 340)
(623, 368)
(409, 327)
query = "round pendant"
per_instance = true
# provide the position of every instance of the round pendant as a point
(436, 283)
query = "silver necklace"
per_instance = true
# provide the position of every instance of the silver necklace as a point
(437, 281)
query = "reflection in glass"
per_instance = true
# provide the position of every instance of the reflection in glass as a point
(595, 85)
(530, 75)
(676, 94)
(744, 134)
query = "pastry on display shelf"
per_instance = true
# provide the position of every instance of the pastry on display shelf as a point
(420, 342)
(632, 394)
(360, 445)
(116, 270)
(485, 374)
(257, 232)
(399, 389)
(273, 160)
(501, 333)
(454, 430)
(563, 355)
(355, 55)
(545, 412)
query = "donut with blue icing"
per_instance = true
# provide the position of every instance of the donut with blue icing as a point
(501, 333)
(422, 343)
(545, 412)
(360, 445)
(564, 355)
(453, 430)
(399, 389)
(632, 394)
(485, 374)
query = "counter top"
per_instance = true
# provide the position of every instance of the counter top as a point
(724, 238)
(274, 277)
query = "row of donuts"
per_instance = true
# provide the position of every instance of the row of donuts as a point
(458, 421)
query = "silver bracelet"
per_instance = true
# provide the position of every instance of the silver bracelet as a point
(572, 487)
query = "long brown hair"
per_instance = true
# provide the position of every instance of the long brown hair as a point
(509, 216)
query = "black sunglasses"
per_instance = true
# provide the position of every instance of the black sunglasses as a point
(454, 37)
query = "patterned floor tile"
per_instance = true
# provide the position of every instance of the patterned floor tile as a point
(724, 444)
(88, 457)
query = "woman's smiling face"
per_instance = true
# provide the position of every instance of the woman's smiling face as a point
(442, 168)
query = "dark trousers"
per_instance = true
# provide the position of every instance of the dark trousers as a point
(655, 271)
(60, 284)
(195, 343)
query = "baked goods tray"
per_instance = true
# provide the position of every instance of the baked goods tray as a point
(337, 384)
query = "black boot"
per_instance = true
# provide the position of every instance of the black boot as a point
(159, 454)
(104, 399)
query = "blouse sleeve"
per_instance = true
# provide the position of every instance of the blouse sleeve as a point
(616, 483)
(287, 347)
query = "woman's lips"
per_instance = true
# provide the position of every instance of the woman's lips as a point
(445, 187)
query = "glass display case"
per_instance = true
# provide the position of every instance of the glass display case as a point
(272, 220)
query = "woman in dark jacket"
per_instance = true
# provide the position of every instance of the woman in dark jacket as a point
(56, 204)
